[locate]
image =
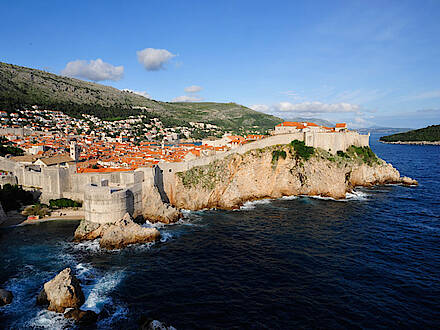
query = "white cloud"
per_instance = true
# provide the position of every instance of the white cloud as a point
(309, 108)
(142, 93)
(187, 98)
(260, 107)
(193, 89)
(96, 70)
(424, 95)
(154, 59)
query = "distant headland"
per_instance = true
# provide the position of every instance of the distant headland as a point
(427, 135)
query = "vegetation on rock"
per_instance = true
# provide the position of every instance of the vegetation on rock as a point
(12, 197)
(203, 176)
(39, 209)
(63, 203)
(365, 153)
(429, 134)
(301, 150)
(276, 154)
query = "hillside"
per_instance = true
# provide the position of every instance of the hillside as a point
(23, 87)
(313, 120)
(382, 130)
(429, 134)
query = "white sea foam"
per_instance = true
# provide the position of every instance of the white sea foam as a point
(355, 195)
(82, 269)
(98, 293)
(289, 198)
(88, 246)
(165, 236)
(49, 320)
(250, 205)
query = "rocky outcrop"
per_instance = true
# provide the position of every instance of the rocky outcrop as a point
(125, 232)
(151, 324)
(82, 317)
(5, 297)
(230, 182)
(88, 231)
(116, 235)
(63, 291)
(155, 210)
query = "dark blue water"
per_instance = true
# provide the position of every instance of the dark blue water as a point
(372, 261)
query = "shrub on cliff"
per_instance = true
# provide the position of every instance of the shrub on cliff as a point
(38, 209)
(301, 150)
(13, 196)
(276, 154)
(367, 155)
(342, 154)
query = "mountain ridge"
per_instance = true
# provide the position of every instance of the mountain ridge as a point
(24, 87)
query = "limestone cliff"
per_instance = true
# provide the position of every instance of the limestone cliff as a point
(278, 171)
(154, 210)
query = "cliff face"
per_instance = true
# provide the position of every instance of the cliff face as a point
(279, 171)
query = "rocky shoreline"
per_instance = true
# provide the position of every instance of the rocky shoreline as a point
(116, 235)
(435, 143)
(258, 174)
(229, 183)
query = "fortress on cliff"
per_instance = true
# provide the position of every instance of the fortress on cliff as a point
(108, 196)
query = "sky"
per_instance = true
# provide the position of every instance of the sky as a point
(367, 63)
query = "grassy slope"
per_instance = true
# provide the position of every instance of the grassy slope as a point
(430, 133)
(21, 86)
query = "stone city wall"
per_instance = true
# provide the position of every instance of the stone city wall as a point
(331, 142)
(106, 204)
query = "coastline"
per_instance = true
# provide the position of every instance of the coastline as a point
(435, 143)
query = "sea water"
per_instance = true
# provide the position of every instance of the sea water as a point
(371, 260)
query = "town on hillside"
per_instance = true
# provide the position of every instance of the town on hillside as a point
(47, 138)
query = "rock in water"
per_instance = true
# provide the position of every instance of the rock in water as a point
(87, 231)
(63, 291)
(125, 232)
(5, 297)
(150, 324)
(409, 182)
(82, 317)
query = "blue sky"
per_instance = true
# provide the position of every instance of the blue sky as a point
(364, 62)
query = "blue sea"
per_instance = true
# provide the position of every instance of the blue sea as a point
(369, 261)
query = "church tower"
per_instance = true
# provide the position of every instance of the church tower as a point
(75, 151)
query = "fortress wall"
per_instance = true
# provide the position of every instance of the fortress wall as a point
(27, 177)
(106, 204)
(333, 142)
(7, 164)
(76, 196)
(79, 180)
(9, 178)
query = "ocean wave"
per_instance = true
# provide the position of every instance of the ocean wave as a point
(86, 246)
(349, 196)
(49, 320)
(250, 205)
(98, 293)
(289, 198)
(165, 236)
